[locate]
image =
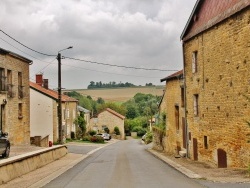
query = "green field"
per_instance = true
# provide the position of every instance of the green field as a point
(120, 94)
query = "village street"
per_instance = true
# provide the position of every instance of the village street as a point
(125, 163)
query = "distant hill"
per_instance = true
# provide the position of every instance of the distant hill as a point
(119, 94)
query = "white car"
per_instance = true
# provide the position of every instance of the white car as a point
(105, 136)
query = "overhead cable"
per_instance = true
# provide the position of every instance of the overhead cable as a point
(122, 66)
(25, 45)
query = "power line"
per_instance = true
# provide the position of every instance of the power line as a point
(122, 66)
(110, 72)
(25, 45)
(105, 64)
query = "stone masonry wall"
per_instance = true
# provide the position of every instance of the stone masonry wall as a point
(17, 126)
(221, 82)
(174, 136)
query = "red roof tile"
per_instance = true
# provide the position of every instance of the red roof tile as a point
(207, 13)
(172, 76)
(51, 93)
(115, 113)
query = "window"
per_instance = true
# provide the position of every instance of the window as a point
(205, 142)
(20, 85)
(177, 115)
(196, 111)
(194, 61)
(20, 110)
(9, 84)
(2, 80)
(65, 114)
(103, 127)
(182, 96)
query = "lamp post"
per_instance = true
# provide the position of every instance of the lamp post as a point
(60, 132)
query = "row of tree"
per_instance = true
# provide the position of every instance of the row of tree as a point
(112, 85)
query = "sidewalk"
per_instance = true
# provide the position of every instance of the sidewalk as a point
(47, 173)
(198, 170)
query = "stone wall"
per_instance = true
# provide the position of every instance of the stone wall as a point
(221, 82)
(16, 113)
(174, 133)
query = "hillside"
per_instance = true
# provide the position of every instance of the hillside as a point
(120, 94)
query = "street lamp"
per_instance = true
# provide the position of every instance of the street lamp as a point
(60, 133)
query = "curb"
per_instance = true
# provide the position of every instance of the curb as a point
(176, 166)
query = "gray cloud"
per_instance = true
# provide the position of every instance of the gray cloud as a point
(125, 32)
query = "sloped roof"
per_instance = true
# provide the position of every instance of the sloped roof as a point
(81, 109)
(51, 93)
(175, 75)
(115, 113)
(207, 13)
(3, 51)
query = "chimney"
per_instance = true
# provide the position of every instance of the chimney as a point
(39, 79)
(46, 83)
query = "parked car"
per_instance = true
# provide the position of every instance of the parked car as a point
(4, 145)
(105, 136)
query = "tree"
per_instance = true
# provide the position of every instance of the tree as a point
(80, 121)
(132, 111)
(100, 100)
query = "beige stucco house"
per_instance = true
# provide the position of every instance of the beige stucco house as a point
(15, 97)
(43, 113)
(216, 50)
(108, 118)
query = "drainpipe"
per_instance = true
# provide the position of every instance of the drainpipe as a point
(185, 102)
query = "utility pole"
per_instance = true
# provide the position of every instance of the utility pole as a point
(59, 111)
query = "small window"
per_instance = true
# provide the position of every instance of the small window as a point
(20, 110)
(65, 114)
(2, 80)
(194, 61)
(196, 105)
(20, 85)
(9, 84)
(205, 142)
(177, 116)
(182, 96)
(20, 78)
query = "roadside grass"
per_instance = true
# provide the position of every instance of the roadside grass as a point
(68, 140)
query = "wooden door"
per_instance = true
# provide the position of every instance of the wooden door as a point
(195, 149)
(184, 133)
(222, 158)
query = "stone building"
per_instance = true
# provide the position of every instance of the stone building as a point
(216, 50)
(43, 111)
(14, 97)
(175, 139)
(110, 119)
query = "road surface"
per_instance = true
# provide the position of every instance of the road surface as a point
(124, 164)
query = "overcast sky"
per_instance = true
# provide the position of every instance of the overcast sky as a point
(133, 33)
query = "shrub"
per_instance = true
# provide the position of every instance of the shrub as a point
(86, 138)
(149, 137)
(106, 129)
(96, 139)
(116, 130)
(92, 132)
(140, 131)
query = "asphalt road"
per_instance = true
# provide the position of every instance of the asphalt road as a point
(124, 164)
